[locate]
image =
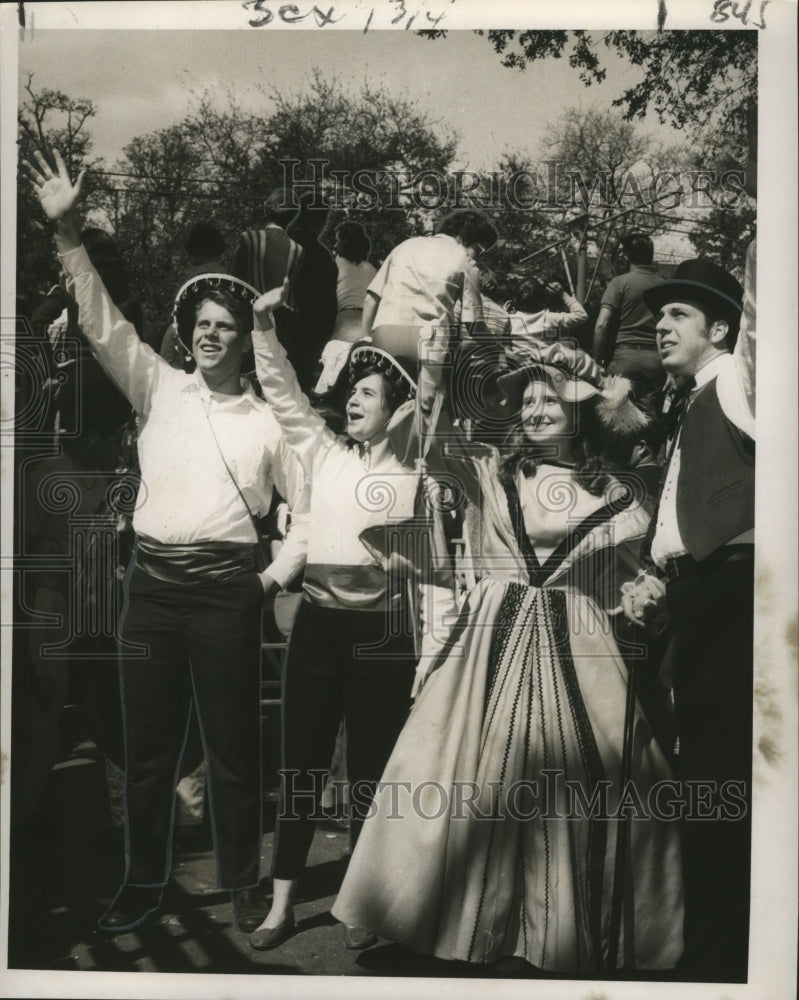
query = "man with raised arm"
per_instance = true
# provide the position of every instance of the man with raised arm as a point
(211, 454)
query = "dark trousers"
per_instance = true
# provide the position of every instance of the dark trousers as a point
(328, 678)
(641, 365)
(712, 614)
(203, 645)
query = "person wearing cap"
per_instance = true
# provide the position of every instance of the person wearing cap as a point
(474, 851)
(353, 653)
(211, 454)
(624, 334)
(702, 547)
(428, 279)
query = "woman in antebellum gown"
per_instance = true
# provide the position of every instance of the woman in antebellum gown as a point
(494, 829)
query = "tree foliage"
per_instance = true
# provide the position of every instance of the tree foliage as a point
(373, 130)
(220, 163)
(600, 145)
(47, 119)
(700, 81)
(725, 236)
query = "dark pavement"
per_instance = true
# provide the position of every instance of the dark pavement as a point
(67, 864)
(66, 867)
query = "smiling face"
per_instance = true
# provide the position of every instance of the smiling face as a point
(545, 417)
(367, 409)
(217, 345)
(686, 340)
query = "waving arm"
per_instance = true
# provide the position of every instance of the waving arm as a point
(58, 196)
(303, 428)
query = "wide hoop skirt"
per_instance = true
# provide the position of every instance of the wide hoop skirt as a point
(494, 829)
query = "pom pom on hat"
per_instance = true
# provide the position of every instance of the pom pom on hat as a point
(616, 408)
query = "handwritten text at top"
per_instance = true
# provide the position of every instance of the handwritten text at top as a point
(724, 9)
(388, 14)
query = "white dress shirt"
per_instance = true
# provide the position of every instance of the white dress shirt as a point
(186, 493)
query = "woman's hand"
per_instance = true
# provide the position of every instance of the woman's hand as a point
(57, 195)
(264, 306)
(643, 599)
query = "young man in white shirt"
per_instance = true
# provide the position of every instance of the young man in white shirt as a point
(210, 453)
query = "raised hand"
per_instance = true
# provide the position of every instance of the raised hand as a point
(262, 307)
(57, 195)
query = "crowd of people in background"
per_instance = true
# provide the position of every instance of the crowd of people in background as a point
(581, 604)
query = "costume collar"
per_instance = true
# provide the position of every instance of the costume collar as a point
(710, 370)
(196, 383)
(373, 456)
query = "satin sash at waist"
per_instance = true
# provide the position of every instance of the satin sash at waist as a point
(195, 562)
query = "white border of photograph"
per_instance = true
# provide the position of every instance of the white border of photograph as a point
(774, 873)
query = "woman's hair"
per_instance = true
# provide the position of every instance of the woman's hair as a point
(396, 389)
(517, 454)
(472, 227)
(240, 311)
(354, 242)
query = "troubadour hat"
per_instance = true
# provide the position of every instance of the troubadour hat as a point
(403, 372)
(192, 292)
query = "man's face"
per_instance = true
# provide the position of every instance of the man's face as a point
(367, 409)
(684, 339)
(217, 344)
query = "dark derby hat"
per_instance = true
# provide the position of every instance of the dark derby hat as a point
(699, 281)
(193, 291)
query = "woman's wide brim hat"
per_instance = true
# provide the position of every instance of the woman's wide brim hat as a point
(575, 377)
(572, 373)
(193, 291)
(699, 281)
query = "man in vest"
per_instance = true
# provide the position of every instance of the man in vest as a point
(702, 546)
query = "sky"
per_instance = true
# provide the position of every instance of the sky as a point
(143, 80)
